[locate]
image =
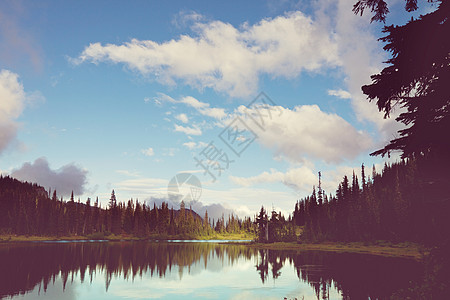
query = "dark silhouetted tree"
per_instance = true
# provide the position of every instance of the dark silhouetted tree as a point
(416, 80)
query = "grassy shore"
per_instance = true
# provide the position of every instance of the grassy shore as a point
(227, 236)
(113, 237)
(406, 250)
(35, 238)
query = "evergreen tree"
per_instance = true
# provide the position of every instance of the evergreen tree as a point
(416, 79)
(128, 222)
(206, 226)
(262, 225)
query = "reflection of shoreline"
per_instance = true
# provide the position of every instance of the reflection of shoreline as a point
(410, 251)
(405, 250)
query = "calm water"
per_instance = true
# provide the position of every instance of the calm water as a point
(151, 270)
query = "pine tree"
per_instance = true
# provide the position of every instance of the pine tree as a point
(114, 217)
(319, 192)
(261, 225)
(87, 224)
(416, 79)
(206, 226)
(128, 223)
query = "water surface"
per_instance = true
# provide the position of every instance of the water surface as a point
(194, 270)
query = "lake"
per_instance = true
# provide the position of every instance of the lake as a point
(181, 270)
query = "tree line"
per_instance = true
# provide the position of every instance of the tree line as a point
(408, 201)
(28, 209)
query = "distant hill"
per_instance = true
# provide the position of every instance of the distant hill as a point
(177, 212)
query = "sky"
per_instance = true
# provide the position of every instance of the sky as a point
(253, 98)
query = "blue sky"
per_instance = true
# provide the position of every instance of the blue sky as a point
(102, 95)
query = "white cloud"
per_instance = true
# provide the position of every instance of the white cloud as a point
(142, 187)
(202, 107)
(300, 179)
(183, 18)
(240, 200)
(142, 183)
(340, 94)
(190, 145)
(213, 112)
(230, 59)
(182, 117)
(128, 173)
(148, 152)
(332, 178)
(188, 130)
(191, 101)
(13, 100)
(307, 132)
(361, 55)
(225, 58)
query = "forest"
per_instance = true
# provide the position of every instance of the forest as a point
(28, 209)
(403, 203)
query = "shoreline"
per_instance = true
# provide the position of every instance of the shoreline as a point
(402, 250)
(121, 237)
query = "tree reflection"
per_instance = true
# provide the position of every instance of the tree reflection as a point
(262, 265)
(23, 266)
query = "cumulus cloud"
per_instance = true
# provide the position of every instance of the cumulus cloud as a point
(340, 94)
(231, 59)
(184, 18)
(148, 152)
(192, 145)
(191, 101)
(188, 130)
(213, 112)
(300, 179)
(202, 107)
(225, 58)
(64, 180)
(295, 134)
(307, 132)
(361, 55)
(182, 117)
(12, 103)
